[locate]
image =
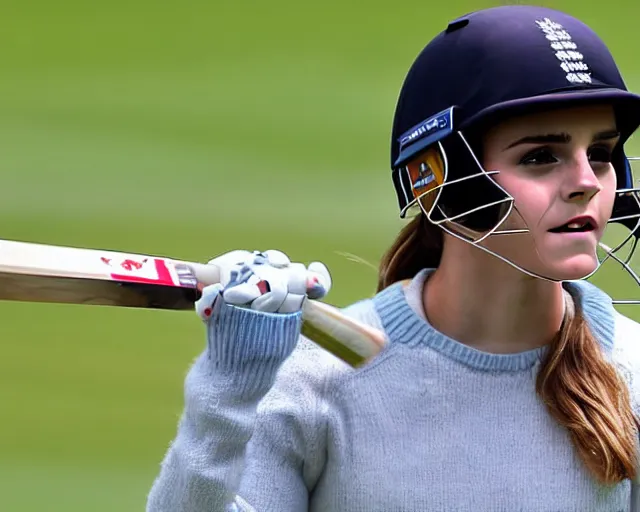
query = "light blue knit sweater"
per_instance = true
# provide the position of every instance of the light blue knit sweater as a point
(430, 425)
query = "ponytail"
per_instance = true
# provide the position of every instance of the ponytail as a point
(418, 246)
(585, 394)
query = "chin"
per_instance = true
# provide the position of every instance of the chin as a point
(571, 269)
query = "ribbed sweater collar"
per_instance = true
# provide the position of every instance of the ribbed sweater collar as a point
(403, 324)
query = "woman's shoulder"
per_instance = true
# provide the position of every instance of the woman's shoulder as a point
(626, 346)
(626, 355)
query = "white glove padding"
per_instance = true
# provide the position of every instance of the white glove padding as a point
(265, 281)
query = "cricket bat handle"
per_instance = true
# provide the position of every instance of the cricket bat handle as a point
(348, 339)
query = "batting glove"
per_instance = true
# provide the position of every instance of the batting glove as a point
(264, 281)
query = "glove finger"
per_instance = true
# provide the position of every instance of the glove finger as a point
(297, 279)
(258, 258)
(205, 306)
(318, 280)
(292, 303)
(277, 259)
(243, 293)
(230, 262)
(230, 259)
(235, 275)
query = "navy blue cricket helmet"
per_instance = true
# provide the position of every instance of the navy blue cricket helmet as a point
(492, 64)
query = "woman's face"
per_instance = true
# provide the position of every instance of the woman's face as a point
(557, 166)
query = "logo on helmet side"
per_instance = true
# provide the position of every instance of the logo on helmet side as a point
(426, 172)
(431, 126)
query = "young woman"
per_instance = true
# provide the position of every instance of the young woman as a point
(509, 382)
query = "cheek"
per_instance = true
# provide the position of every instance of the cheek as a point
(608, 192)
(531, 197)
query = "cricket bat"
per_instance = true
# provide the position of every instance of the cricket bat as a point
(34, 272)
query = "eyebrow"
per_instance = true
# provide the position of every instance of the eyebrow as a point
(561, 138)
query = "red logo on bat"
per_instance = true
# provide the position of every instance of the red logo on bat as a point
(132, 264)
(127, 264)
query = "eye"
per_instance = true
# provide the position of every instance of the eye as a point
(538, 156)
(600, 154)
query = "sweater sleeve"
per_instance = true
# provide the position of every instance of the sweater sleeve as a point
(252, 436)
(286, 455)
(202, 469)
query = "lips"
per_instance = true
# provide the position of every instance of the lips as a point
(580, 224)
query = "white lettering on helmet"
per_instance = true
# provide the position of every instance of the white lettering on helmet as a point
(565, 49)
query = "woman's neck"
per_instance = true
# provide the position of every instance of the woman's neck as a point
(486, 304)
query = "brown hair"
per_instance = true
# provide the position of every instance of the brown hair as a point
(581, 390)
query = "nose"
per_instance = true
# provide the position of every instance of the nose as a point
(582, 183)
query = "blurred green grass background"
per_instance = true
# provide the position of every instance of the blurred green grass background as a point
(187, 129)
